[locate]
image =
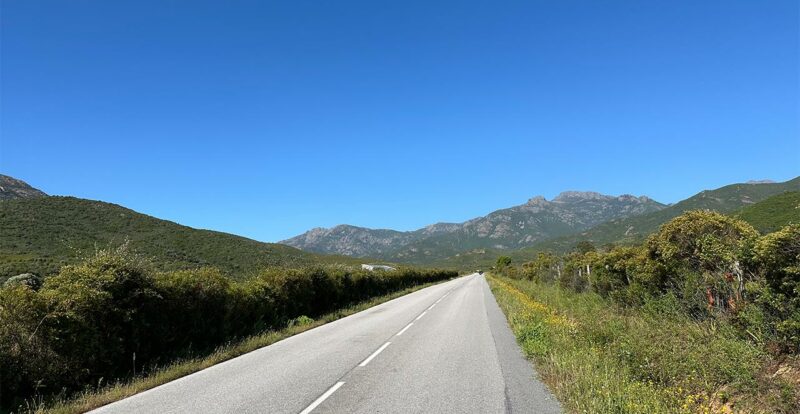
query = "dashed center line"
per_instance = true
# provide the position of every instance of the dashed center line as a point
(374, 354)
(404, 329)
(336, 386)
(322, 398)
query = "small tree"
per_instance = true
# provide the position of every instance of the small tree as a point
(584, 246)
(702, 241)
(544, 268)
(776, 257)
(617, 270)
(503, 262)
(699, 254)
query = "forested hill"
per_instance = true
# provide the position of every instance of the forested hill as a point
(773, 213)
(41, 234)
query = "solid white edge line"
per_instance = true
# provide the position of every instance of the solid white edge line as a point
(431, 307)
(404, 329)
(421, 315)
(374, 354)
(322, 398)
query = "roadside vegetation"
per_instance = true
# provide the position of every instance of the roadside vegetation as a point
(113, 317)
(704, 316)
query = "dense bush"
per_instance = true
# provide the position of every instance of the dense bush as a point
(618, 270)
(776, 259)
(545, 268)
(713, 265)
(113, 316)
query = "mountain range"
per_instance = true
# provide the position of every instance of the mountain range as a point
(729, 199)
(511, 228)
(40, 233)
(538, 225)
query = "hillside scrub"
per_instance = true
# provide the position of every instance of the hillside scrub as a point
(598, 357)
(773, 213)
(710, 278)
(113, 316)
(41, 235)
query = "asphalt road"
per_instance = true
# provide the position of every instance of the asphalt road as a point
(443, 349)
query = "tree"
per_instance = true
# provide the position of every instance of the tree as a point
(503, 262)
(699, 254)
(702, 241)
(618, 269)
(776, 257)
(544, 268)
(584, 246)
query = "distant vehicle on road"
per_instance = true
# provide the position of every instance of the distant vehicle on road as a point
(480, 272)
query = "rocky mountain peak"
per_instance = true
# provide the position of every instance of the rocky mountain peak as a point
(633, 198)
(537, 201)
(568, 196)
(11, 187)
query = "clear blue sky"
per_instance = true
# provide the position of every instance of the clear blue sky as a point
(268, 118)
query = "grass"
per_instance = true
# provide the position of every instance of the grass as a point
(102, 395)
(599, 358)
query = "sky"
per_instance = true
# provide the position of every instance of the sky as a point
(267, 118)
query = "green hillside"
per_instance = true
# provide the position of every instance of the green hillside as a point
(40, 235)
(773, 213)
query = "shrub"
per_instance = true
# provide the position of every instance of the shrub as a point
(503, 262)
(544, 268)
(617, 270)
(701, 241)
(577, 270)
(711, 264)
(776, 259)
(700, 253)
(89, 321)
(103, 312)
(26, 354)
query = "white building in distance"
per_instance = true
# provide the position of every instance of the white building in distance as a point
(376, 267)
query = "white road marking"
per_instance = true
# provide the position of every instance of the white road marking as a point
(421, 315)
(404, 329)
(322, 398)
(374, 354)
(431, 307)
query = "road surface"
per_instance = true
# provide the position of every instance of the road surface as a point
(443, 349)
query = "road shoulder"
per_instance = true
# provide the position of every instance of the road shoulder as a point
(525, 393)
